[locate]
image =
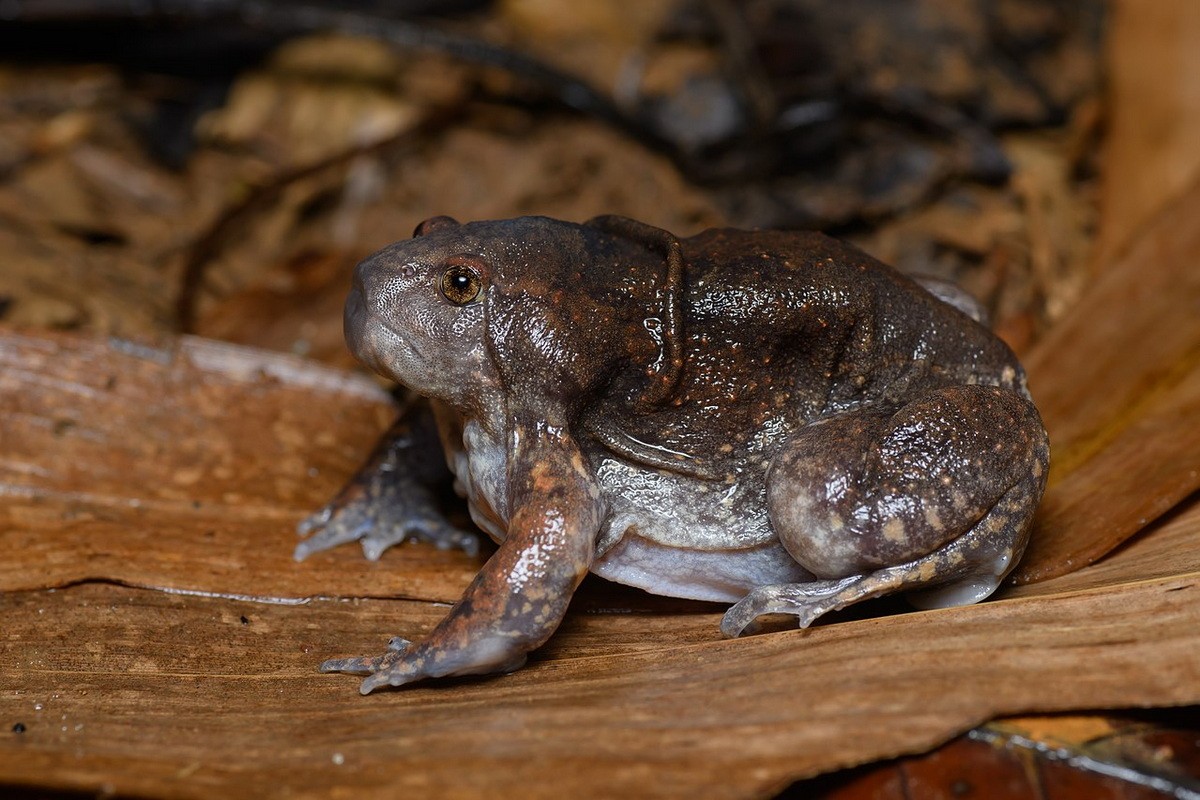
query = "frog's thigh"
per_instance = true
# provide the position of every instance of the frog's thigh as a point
(936, 495)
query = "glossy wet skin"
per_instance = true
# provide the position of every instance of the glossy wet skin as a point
(764, 417)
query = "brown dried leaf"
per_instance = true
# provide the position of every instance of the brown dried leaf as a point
(1167, 548)
(186, 466)
(1150, 157)
(150, 687)
(190, 696)
(1118, 385)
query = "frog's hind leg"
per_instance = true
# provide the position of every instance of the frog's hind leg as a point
(935, 498)
(965, 571)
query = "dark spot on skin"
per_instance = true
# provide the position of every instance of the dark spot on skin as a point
(61, 426)
(245, 620)
(111, 383)
(465, 606)
(6, 304)
(195, 504)
(961, 788)
(18, 728)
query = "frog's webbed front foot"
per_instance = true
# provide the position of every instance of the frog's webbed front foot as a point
(379, 509)
(405, 663)
(521, 594)
(369, 665)
(391, 498)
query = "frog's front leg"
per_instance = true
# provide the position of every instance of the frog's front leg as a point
(520, 596)
(392, 497)
(936, 496)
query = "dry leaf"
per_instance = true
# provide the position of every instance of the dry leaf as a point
(160, 685)
(1150, 155)
(1118, 385)
(186, 467)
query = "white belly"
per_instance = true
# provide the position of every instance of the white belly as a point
(669, 534)
(481, 472)
(680, 536)
(720, 575)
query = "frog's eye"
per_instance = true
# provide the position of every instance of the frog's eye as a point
(461, 284)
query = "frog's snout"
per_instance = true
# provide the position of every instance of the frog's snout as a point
(354, 305)
(355, 324)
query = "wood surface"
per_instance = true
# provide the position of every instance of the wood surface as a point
(186, 697)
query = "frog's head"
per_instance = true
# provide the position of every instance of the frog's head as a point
(415, 313)
(550, 310)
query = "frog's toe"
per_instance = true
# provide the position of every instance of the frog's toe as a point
(432, 529)
(315, 522)
(396, 667)
(397, 675)
(332, 528)
(805, 601)
(378, 538)
(741, 617)
(369, 665)
(360, 665)
(741, 620)
(440, 533)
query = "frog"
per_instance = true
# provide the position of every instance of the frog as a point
(769, 419)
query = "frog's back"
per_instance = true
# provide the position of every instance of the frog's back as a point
(784, 328)
(786, 278)
(834, 320)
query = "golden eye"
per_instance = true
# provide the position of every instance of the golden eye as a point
(460, 284)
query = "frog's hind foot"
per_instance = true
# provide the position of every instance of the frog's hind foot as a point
(934, 498)
(964, 571)
(806, 601)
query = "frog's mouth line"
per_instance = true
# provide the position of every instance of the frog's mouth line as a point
(396, 340)
(375, 341)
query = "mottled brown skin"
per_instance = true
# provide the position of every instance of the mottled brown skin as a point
(769, 416)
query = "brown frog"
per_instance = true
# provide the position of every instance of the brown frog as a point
(770, 418)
